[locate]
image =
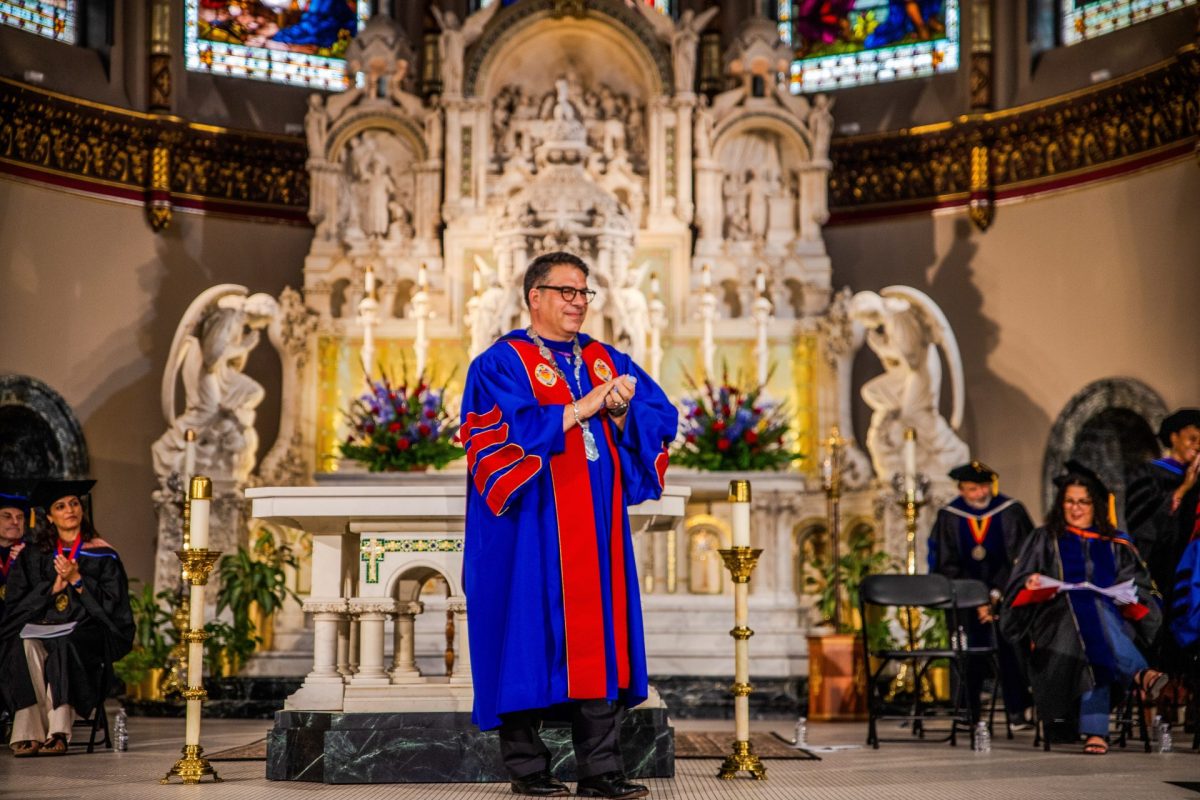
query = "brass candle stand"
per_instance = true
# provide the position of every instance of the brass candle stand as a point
(740, 560)
(197, 565)
(912, 494)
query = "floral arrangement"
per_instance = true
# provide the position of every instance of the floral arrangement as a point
(405, 427)
(727, 427)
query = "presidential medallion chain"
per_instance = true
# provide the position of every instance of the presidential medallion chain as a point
(589, 441)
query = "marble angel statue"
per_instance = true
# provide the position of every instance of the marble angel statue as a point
(684, 38)
(904, 327)
(454, 40)
(212, 343)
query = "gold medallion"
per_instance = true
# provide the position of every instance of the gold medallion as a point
(61, 602)
(3, 589)
(545, 374)
(979, 552)
(601, 369)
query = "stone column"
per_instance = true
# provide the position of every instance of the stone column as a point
(462, 645)
(683, 155)
(404, 654)
(659, 540)
(323, 686)
(452, 159)
(372, 613)
(343, 647)
(683, 565)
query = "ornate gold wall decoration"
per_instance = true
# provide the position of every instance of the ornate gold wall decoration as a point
(161, 161)
(1144, 118)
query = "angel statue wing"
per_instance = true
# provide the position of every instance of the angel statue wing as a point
(943, 335)
(663, 25)
(472, 26)
(185, 347)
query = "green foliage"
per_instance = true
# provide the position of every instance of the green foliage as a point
(732, 427)
(856, 562)
(247, 578)
(233, 644)
(151, 645)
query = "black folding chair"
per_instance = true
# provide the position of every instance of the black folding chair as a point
(97, 722)
(969, 595)
(935, 594)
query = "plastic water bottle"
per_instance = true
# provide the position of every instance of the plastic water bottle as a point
(801, 739)
(121, 730)
(1164, 737)
(983, 738)
(1156, 727)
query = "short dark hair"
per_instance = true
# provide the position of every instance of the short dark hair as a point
(540, 267)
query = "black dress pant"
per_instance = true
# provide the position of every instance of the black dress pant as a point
(595, 733)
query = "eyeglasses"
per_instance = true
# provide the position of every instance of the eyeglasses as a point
(1085, 503)
(570, 292)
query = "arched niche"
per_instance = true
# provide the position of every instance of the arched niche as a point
(706, 535)
(810, 546)
(1110, 426)
(531, 40)
(39, 434)
(406, 582)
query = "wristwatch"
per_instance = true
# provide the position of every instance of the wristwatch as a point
(77, 584)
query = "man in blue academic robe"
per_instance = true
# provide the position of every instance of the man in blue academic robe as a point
(562, 434)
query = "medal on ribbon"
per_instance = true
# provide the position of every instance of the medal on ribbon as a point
(979, 529)
(62, 601)
(3, 591)
(602, 371)
(545, 375)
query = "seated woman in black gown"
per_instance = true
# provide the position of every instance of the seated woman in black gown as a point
(1081, 645)
(70, 582)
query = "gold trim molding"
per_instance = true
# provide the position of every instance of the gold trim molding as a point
(167, 164)
(1146, 117)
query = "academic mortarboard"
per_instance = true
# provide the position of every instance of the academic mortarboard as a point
(47, 492)
(15, 494)
(975, 472)
(1176, 422)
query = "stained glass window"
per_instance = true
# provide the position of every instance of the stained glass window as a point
(54, 19)
(1087, 19)
(783, 16)
(843, 43)
(299, 43)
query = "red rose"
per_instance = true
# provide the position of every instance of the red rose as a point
(719, 425)
(751, 437)
(724, 411)
(403, 444)
(423, 429)
(370, 429)
(691, 437)
(430, 413)
(395, 427)
(722, 444)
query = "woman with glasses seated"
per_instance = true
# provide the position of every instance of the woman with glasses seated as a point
(68, 615)
(1081, 643)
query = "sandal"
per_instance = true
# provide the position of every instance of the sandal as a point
(1150, 683)
(1095, 746)
(26, 748)
(56, 745)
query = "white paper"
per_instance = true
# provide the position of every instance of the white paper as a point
(1124, 593)
(34, 631)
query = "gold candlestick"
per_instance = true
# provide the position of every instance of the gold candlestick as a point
(741, 560)
(197, 564)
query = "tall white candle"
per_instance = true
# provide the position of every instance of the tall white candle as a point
(910, 462)
(654, 287)
(189, 457)
(200, 512)
(706, 277)
(760, 282)
(370, 282)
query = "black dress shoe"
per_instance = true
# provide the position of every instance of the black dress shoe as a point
(612, 785)
(540, 784)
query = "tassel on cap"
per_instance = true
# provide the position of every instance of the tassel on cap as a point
(1112, 509)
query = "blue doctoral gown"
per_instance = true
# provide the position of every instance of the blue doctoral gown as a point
(549, 573)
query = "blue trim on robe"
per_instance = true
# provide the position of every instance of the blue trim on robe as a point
(511, 567)
(1092, 560)
(1170, 465)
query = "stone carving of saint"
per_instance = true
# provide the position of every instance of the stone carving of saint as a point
(316, 125)
(703, 131)
(758, 191)
(683, 47)
(376, 186)
(736, 221)
(820, 123)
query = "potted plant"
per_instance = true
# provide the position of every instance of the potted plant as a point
(731, 427)
(835, 668)
(401, 427)
(141, 669)
(228, 647)
(254, 585)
